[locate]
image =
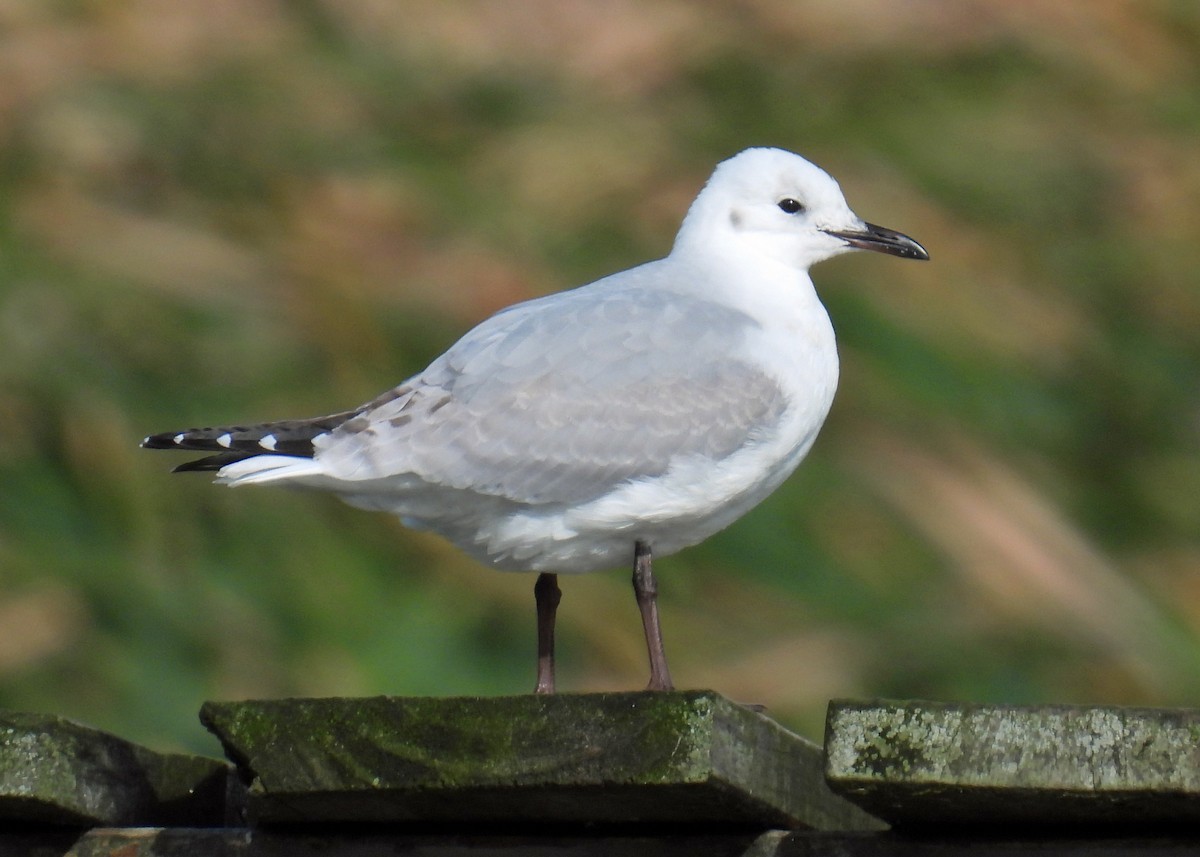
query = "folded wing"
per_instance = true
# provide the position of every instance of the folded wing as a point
(557, 401)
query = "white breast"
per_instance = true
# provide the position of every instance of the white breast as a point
(697, 496)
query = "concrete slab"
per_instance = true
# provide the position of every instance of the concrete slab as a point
(692, 758)
(54, 771)
(960, 765)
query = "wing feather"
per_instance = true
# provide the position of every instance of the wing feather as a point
(557, 401)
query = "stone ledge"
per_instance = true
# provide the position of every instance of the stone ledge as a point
(987, 766)
(686, 758)
(54, 771)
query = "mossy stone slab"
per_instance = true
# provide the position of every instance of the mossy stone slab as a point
(690, 758)
(1054, 766)
(54, 771)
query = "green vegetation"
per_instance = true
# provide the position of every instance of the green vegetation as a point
(242, 211)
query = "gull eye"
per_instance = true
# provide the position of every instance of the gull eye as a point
(790, 206)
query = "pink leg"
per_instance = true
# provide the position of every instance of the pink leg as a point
(646, 590)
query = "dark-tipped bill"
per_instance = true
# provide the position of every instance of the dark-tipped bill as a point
(872, 237)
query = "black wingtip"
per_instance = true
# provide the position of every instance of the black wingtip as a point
(165, 440)
(282, 437)
(210, 463)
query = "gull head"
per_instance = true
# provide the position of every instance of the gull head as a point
(777, 204)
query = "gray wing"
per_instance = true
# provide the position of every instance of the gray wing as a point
(560, 399)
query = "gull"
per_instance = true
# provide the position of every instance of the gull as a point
(630, 417)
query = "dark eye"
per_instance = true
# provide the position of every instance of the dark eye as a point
(790, 206)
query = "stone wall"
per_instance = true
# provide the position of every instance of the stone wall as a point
(630, 773)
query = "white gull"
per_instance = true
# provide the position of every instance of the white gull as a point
(630, 417)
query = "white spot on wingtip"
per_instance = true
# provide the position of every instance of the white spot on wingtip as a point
(178, 439)
(225, 440)
(267, 442)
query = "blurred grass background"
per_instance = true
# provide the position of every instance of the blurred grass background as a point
(228, 210)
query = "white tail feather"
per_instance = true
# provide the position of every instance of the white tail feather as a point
(263, 469)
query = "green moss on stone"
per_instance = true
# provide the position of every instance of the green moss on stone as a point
(619, 758)
(969, 764)
(55, 771)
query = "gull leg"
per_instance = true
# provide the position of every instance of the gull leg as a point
(547, 594)
(646, 590)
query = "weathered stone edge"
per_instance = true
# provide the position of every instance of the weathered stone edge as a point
(970, 764)
(801, 769)
(715, 744)
(85, 776)
(925, 743)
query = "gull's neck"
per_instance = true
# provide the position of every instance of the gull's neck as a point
(733, 273)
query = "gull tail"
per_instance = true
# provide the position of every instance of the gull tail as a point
(231, 444)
